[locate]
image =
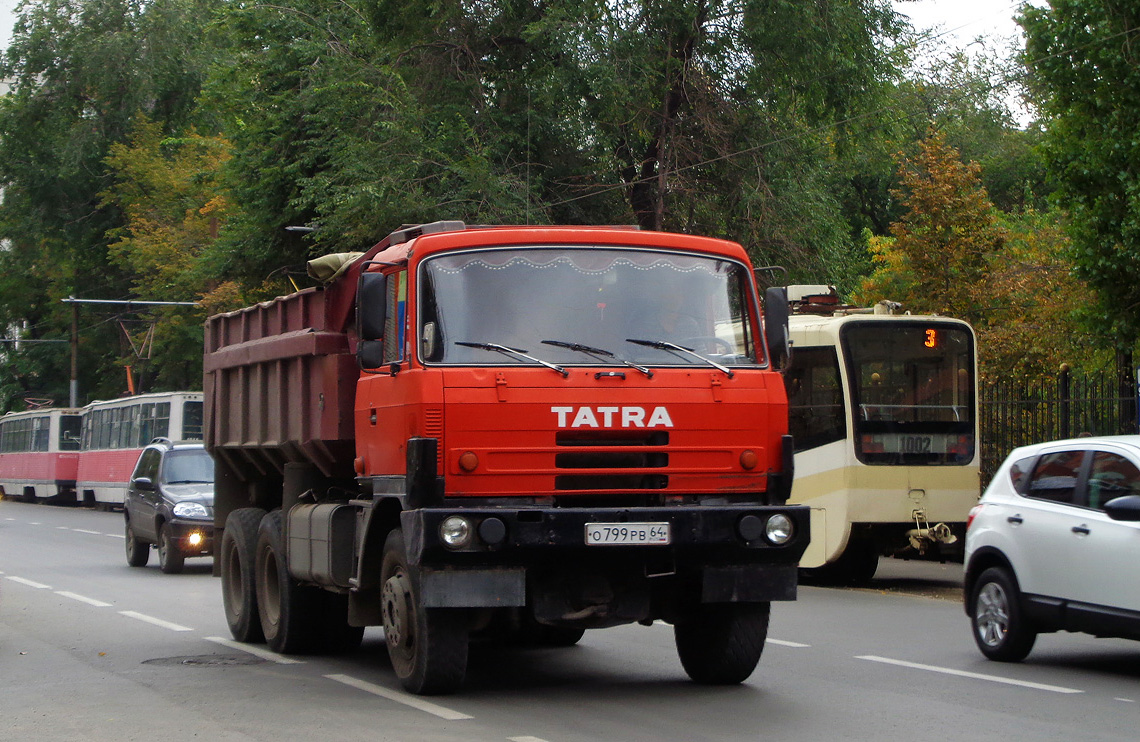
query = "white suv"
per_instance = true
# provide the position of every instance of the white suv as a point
(1054, 545)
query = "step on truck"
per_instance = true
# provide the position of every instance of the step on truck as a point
(507, 434)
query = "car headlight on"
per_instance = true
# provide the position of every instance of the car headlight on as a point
(191, 510)
(779, 529)
(455, 531)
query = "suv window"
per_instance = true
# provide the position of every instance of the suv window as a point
(1111, 476)
(1055, 476)
(148, 464)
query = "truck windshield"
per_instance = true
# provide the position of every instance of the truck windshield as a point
(596, 298)
(912, 389)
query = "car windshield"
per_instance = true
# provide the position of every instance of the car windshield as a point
(188, 467)
(565, 305)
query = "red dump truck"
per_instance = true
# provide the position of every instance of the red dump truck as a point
(511, 432)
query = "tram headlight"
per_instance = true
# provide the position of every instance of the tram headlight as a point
(779, 529)
(455, 532)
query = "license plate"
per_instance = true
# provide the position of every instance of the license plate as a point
(915, 444)
(627, 534)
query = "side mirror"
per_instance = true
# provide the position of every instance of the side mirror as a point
(371, 306)
(430, 341)
(1126, 508)
(143, 484)
(776, 326)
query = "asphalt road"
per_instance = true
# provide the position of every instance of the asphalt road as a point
(91, 649)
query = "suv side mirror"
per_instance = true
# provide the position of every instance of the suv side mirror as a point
(776, 326)
(143, 484)
(1126, 508)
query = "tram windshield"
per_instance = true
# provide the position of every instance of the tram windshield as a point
(912, 391)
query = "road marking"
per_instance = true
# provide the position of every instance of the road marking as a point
(155, 621)
(83, 599)
(392, 695)
(1124, 700)
(117, 535)
(35, 523)
(780, 642)
(264, 654)
(84, 530)
(974, 675)
(525, 739)
(62, 528)
(29, 583)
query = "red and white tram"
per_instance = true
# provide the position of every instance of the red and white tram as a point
(115, 432)
(39, 454)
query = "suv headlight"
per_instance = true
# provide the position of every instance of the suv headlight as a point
(191, 510)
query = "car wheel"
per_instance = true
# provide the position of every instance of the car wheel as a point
(138, 552)
(170, 559)
(239, 592)
(1001, 630)
(721, 643)
(428, 646)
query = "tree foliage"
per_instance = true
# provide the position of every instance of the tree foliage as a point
(1084, 58)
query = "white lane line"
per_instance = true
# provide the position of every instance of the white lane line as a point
(264, 654)
(408, 700)
(35, 523)
(84, 530)
(155, 621)
(782, 643)
(83, 599)
(1125, 700)
(974, 675)
(62, 528)
(525, 739)
(29, 583)
(117, 535)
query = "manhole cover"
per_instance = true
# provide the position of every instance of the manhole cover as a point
(208, 660)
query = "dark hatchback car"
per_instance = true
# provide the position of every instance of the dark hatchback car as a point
(170, 503)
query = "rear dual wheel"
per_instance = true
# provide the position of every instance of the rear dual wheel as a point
(239, 592)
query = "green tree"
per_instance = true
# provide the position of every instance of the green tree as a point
(936, 261)
(1085, 77)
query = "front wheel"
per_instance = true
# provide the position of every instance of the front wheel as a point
(239, 596)
(721, 643)
(428, 646)
(1000, 630)
(170, 559)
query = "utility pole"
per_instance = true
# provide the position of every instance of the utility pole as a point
(74, 385)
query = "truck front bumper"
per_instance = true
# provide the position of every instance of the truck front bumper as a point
(724, 550)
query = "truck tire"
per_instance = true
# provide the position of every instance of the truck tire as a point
(138, 552)
(721, 643)
(239, 592)
(289, 611)
(428, 646)
(170, 559)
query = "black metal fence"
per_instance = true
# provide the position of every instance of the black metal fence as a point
(1016, 412)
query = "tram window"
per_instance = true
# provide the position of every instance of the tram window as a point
(815, 398)
(191, 421)
(1055, 476)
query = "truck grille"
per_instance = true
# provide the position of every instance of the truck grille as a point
(612, 450)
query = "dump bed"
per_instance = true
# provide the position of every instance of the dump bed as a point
(279, 383)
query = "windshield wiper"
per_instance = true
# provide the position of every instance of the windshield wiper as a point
(515, 352)
(666, 345)
(598, 353)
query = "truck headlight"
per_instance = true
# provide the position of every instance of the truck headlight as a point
(779, 529)
(455, 532)
(191, 510)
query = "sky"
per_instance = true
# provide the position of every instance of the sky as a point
(964, 20)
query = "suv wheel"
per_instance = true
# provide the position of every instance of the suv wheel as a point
(138, 552)
(170, 559)
(1000, 629)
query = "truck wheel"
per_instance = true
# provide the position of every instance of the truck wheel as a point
(1001, 631)
(721, 643)
(170, 559)
(428, 646)
(239, 596)
(138, 552)
(289, 611)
